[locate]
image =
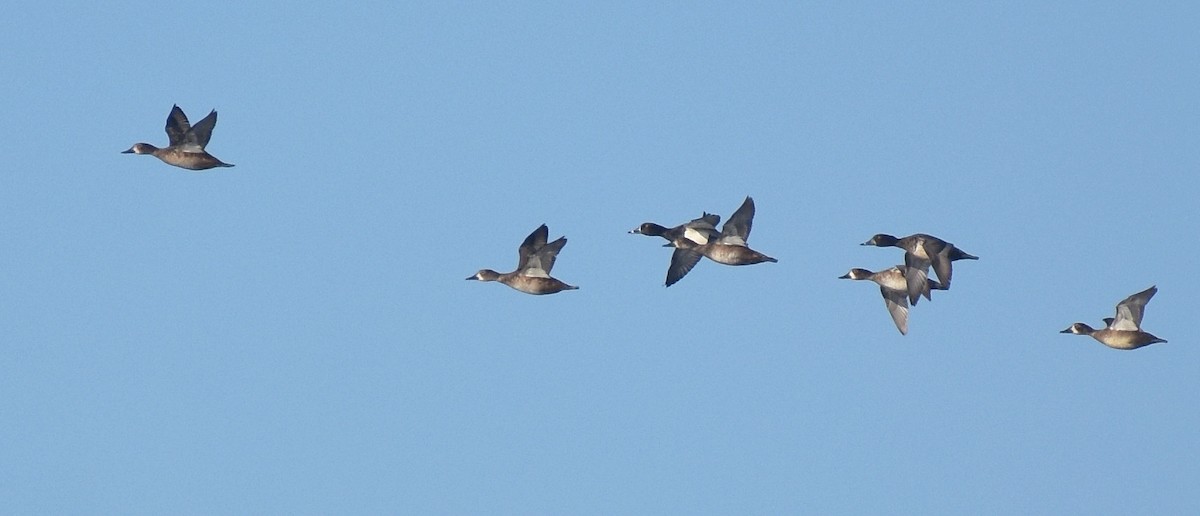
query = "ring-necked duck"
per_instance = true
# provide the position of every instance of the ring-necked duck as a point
(536, 258)
(185, 143)
(1125, 330)
(894, 287)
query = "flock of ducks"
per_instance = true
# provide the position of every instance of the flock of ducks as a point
(908, 283)
(900, 286)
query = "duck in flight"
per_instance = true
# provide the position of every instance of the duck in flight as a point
(185, 143)
(535, 260)
(894, 288)
(1125, 330)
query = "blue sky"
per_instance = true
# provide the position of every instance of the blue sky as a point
(294, 335)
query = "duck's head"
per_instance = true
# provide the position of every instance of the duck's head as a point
(856, 274)
(648, 229)
(1079, 329)
(140, 148)
(881, 240)
(485, 275)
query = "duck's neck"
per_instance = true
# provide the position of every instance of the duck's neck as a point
(653, 229)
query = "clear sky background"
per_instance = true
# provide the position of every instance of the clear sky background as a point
(294, 335)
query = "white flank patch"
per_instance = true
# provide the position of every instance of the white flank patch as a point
(695, 236)
(535, 272)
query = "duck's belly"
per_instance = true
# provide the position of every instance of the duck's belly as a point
(1120, 339)
(730, 254)
(537, 285)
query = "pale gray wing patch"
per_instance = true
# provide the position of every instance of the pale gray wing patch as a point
(1131, 310)
(542, 261)
(897, 306)
(732, 240)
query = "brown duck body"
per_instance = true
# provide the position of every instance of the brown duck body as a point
(731, 254)
(1113, 338)
(535, 285)
(1117, 339)
(180, 158)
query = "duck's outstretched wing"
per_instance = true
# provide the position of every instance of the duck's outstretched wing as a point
(530, 245)
(736, 230)
(1130, 311)
(682, 261)
(196, 139)
(542, 261)
(897, 306)
(916, 276)
(177, 126)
